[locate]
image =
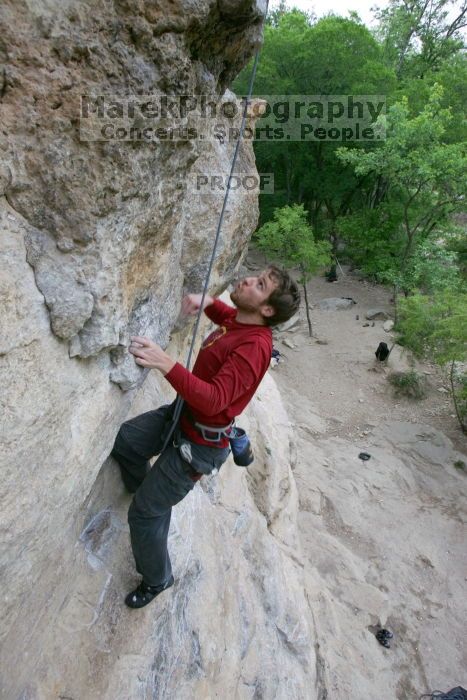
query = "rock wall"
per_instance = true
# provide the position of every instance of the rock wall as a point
(99, 240)
(236, 623)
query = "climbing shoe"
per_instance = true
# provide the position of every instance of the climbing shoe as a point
(143, 595)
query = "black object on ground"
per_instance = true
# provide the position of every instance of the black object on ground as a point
(383, 636)
(350, 299)
(331, 276)
(382, 352)
(364, 456)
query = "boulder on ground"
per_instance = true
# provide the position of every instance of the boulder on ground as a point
(291, 324)
(388, 325)
(374, 314)
(335, 304)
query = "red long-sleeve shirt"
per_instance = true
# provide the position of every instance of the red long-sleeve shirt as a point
(230, 365)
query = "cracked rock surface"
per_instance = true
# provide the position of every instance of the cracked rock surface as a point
(114, 232)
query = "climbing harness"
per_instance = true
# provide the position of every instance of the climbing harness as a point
(179, 400)
(212, 433)
(239, 441)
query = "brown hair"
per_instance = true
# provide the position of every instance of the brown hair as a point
(285, 298)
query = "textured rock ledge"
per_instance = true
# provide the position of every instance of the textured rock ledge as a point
(111, 230)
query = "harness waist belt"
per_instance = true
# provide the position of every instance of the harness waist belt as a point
(214, 433)
(210, 433)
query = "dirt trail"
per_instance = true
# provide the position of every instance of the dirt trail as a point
(343, 376)
(383, 540)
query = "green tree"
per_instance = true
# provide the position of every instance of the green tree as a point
(289, 239)
(457, 243)
(435, 326)
(432, 268)
(419, 35)
(425, 180)
(334, 56)
(452, 76)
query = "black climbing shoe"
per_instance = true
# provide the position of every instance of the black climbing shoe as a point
(143, 595)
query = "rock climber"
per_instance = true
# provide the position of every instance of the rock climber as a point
(229, 367)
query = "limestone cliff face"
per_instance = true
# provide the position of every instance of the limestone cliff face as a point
(109, 230)
(99, 240)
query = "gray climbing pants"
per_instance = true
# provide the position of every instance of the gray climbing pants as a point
(157, 488)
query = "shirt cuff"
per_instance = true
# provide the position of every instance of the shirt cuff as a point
(175, 376)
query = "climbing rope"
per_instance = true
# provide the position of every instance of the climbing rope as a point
(179, 401)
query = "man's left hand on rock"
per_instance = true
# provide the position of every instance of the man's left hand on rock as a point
(149, 354)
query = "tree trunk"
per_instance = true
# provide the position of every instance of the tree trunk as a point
(334, 242)
(300, 193)
(288, 179)
(310, 329)
(396, 308)
(453, 393)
